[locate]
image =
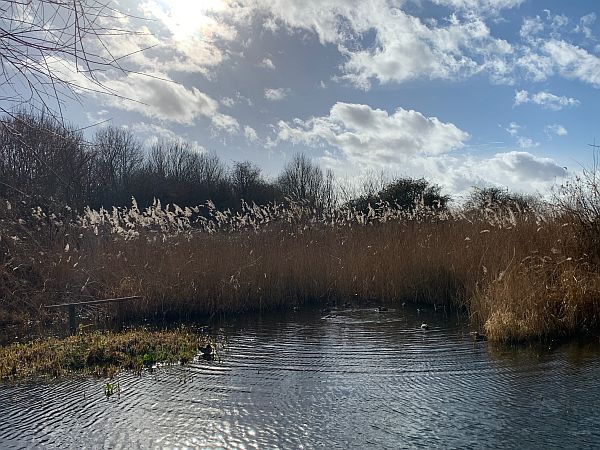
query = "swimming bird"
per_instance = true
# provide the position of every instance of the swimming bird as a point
(477, 336)
(424, 326)
(382, 309)
(207, 352)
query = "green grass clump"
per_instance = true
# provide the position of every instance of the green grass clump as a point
(98, 353)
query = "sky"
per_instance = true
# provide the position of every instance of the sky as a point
(462, 92)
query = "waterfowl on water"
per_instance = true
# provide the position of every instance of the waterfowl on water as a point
(207, 352)
(424, 326)
(382, 309)
(477, 336)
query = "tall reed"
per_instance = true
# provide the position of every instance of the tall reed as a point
(519, 274)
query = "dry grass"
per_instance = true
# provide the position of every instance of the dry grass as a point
(519, 275)
(96, 353)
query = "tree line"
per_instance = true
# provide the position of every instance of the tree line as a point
(48, 163)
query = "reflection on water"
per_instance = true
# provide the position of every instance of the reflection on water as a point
(356, 378)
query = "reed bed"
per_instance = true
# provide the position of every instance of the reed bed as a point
(519, 274)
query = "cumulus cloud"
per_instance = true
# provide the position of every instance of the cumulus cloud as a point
(196, 38)
(545, 99)
(373, 136)
(458, 173)
(404, 46)
(160, 98)
(517, 170)
(355, 137)
(523, 167)
(407, 48)
(277, 94)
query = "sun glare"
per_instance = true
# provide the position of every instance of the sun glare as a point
(188, 18)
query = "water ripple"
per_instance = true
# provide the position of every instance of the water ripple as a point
(354, 378)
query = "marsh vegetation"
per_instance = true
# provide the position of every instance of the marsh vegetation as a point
(520, 267)
(98, 353)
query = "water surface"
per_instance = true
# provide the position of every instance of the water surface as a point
(347, 379)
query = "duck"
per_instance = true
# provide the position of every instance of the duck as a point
(424, 326)
(477, 336)
(382, 309)
(207, 352)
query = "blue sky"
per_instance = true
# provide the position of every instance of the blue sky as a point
(463, 92)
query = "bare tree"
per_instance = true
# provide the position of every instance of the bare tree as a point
(118, 158)
(43, 159)
(176, 172)
(52, 49)
(302, 180)
(245, 177)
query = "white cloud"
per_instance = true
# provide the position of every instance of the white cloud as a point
(585, 24)
(536, 67)
(190, 34)
(480, 5)
(250, 133)
(404, 46)
(525, 142)
(517, 170)
(237, 99)
(196, 38)
(154, 133)
(267, 64)
(574, 62)
(277, 94)
(531, 27)
(373, 136)
(555, 129)
(407, 49)
(545, 99)
(228, 102)
(356, 137)
(523, 167)
(160, 98)
(513, 128)
(521, 97)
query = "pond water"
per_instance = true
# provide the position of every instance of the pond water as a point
(347, 379)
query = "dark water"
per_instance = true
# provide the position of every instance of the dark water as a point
(355, 379)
